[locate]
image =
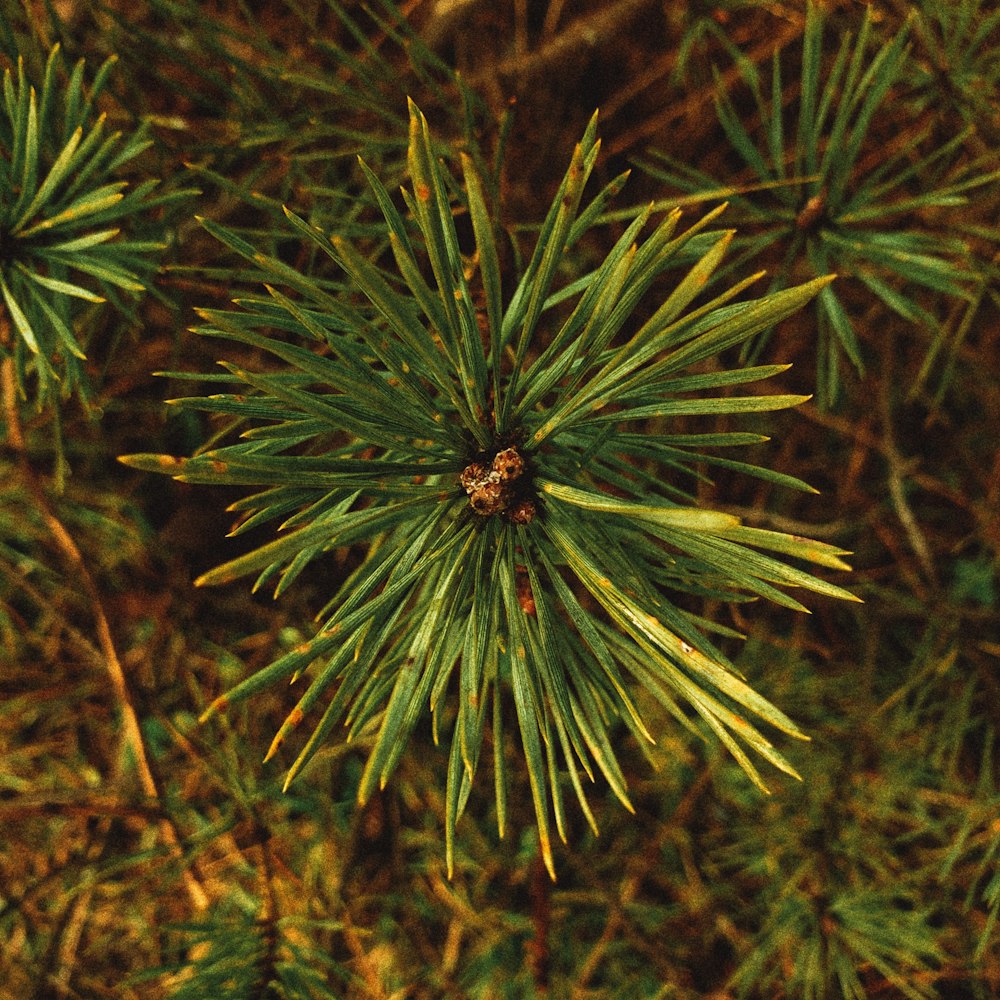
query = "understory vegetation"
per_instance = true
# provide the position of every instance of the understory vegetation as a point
(456, 542)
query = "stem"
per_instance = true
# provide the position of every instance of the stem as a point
(899, 470)
(131, 734)
(541, 916)
(267, 921)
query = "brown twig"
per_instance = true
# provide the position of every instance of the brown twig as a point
(85, 806)
(899, 470)
(556, 53)
(537, 947)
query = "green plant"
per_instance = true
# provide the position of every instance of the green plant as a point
(836, 892)
(526, 524)
(958, 63)
(242, 951)
(286, 125)
(62, 209)
(822, 204)
(697, 26)
(143, 854)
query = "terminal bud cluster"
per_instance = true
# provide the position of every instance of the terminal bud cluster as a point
(496, 488)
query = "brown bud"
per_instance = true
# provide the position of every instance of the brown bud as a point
(488, 498)
(522, 511)
(508, 464)
(472, 475)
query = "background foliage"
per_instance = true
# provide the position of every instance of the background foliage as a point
(143, 855)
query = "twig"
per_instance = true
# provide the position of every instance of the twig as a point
(898, 469)
(86, 805)
(71, 935)
(612, 927)
(583, 35)
(537, 948)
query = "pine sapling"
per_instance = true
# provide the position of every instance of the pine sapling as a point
(507, 461)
